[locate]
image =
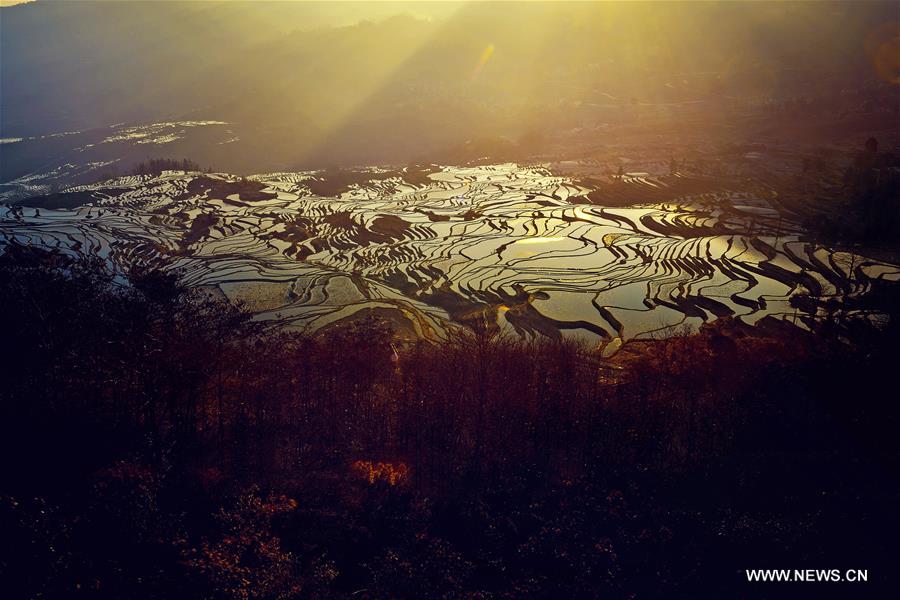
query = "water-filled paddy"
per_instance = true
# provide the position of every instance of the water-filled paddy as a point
(531, 251)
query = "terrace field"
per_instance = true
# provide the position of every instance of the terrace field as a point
(600, 258)
(464, 299)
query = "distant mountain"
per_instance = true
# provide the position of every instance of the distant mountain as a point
(310, 84)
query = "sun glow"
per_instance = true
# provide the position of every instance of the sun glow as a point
(485, 57)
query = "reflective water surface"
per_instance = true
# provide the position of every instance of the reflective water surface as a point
(534, 252)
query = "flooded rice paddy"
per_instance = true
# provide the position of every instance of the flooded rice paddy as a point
(534, 252)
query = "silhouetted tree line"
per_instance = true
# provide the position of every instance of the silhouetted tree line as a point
(859, 203)
(155, 166)
(873, 182)
(159, 443)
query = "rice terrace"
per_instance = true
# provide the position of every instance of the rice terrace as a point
(449, 299)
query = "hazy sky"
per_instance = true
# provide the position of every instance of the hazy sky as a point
(308, 80)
